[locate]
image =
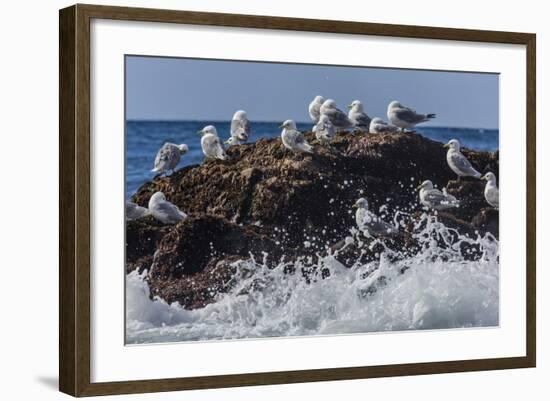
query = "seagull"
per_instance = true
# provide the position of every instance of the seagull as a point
(450, 198)
(458, 162)
(358, 117)
(134, 211)
(491, 189)
(404, 117)
(233, 140)
(240, 128)
(379, 126)
(314, 107)
(164, 211)
(294, 139)
(168, 157)
(336, 116)
(324, 130)
(434, 198)
(370, 223)
(210, 143)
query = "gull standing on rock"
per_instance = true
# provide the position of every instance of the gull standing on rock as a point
(134, 211)
(294, 139)
(314, 108)
(164, 211)
(240, 128)
(370, 223)
(358, 117)
(379, 126)
(434, 198)
(458, 162)
(324, 130)
(337, 117)
(491, 189)
(404, 117)
(168, 157)
(211, 144)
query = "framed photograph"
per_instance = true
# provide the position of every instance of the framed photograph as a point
(250, 200)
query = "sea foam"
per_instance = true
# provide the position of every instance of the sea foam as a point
(437, 288)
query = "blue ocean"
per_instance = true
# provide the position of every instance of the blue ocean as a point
(144, 138)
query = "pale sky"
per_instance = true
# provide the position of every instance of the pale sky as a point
(192, 89)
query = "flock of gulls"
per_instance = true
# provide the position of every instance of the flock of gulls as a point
(328, 119)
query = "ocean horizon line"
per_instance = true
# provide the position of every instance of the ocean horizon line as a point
(214, 122)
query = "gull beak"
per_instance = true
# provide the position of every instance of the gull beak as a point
(281, 126)
(419, 187)
(350, 106)
(355, 206)
(200, 132)
(446, 145)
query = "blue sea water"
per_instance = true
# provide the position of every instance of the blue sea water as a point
(144, 138)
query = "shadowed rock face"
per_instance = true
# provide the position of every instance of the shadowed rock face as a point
(142, 238)
(266, 199)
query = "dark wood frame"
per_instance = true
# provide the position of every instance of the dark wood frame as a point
(74, 199)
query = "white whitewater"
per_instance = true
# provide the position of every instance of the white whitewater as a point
(434, 289)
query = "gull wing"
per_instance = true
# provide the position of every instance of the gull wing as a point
(435, 196)
(361, 119)
(337, 117)
(170, 210)
(408, 115)
(167, 156)
(463, 164)
(240, 126)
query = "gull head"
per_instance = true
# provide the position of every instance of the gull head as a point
(453, 144)
(157, 197)
(356, 105)
(239, 115)
(183, 148)
(329, 103)
(209, 129)
(394, 105)
(288, 124)
(426, 185)
(241, 136)
(319, 99)
(377, 120)
(490, 177)
(232, 141)
(361, 203)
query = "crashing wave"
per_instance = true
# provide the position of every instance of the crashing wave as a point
(451, 281)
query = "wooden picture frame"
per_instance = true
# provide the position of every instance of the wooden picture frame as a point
(75, 207)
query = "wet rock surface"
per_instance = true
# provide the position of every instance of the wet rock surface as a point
(267, 201)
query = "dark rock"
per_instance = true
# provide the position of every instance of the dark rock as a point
(196, 248)
(200, 289)
(142, 238)
(487, 221)
(266, 199)
(469, 191)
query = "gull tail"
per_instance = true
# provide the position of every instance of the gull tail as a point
(222, 156)
(431, 115)
(306, 148)
(155, 170)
